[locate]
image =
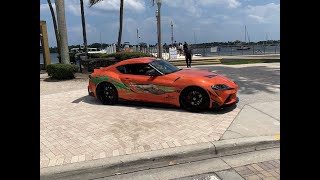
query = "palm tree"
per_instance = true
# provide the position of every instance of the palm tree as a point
(55, 29)
(93, 2)
(84, 28)
(62, 27)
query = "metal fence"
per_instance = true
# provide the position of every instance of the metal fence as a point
(236, 50)
(152, 50)
(208, 51)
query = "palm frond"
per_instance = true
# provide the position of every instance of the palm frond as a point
(93, 2)
(152, 1)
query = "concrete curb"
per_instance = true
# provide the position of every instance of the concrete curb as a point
(153, 159)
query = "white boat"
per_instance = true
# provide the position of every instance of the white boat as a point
(197, 55)
(96, 51)
(90, 50)
(244, 47)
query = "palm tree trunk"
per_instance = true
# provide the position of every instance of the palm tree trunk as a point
(120, 28)
(60, 9)
(84, 33)
(55, 29)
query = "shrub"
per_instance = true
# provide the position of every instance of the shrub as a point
(91, 64)
(61, 71)
(122, 55)
(104, 60)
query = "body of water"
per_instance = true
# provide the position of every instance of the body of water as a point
(53, 58)
(223, 51)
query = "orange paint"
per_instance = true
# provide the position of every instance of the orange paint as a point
(165, 88)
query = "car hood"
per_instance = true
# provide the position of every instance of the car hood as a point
(203, 75)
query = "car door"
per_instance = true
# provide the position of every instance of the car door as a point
(140, 84)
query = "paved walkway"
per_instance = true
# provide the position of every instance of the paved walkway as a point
(75, 127)
(267, 170)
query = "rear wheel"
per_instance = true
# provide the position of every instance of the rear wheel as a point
(107, 94)
(194, 99)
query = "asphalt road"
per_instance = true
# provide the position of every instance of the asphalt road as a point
(257, 82)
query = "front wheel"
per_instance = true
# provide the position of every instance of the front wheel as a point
(194, 99)
(107, 94)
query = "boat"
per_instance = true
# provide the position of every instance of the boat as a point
(197, 55)
(244, 47)
(90, 50)
(96, 51)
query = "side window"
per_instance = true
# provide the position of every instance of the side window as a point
(122, 69)
(137, 69)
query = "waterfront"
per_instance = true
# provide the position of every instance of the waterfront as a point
(206, 52)
(232, 51)
(53, 57)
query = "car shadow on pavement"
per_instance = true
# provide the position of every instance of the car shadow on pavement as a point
(147, 105)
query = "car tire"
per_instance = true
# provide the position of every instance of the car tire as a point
(194, 99)
(107, 94)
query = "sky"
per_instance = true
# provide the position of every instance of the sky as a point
(194, 21)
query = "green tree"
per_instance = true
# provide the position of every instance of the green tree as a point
(84, 33)
(93, 2)
(55, 29)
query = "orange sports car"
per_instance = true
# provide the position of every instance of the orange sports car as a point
(155, 80)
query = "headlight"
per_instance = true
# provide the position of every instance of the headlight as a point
(220, 87)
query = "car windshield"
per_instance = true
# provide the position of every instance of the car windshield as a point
(164, 66)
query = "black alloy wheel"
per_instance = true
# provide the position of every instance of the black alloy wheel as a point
(194, 99)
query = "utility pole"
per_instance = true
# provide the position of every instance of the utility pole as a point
(245, 34)
(171, 34)
(44, 43)
(100, 41)
(137, 37)
(159, 29)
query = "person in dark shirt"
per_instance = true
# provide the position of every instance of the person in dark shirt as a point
(188, 54)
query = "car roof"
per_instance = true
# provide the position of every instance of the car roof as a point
(137, 60)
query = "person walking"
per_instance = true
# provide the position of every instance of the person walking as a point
(188, 54)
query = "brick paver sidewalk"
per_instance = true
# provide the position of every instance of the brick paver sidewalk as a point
(268, 170)
(75, 127)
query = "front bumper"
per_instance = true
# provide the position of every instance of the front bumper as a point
(90, 93)
(231, 104)
(216, 105)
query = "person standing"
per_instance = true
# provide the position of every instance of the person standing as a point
(188, 54)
